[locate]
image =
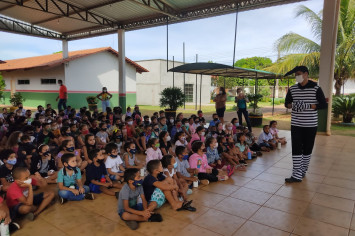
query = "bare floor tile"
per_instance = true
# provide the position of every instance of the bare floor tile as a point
(286, 204)
(251, 195)
(310, 227)
(237, 207)
(333, 202)
(192, 230)
(295, 193)
(263, 186)
(251, 228)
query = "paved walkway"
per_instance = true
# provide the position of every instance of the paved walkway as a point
(256, 202)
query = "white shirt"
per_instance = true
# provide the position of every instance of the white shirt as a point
(171, 174)
(114, 163)
(265, 137)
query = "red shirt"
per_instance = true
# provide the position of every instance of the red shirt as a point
(62, 92)
(129, 131)
(1, 200)
(14, 192)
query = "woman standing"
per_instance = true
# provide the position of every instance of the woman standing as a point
(220, 101)
(105, 97)
(241, 101)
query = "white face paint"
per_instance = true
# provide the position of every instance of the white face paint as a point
(299, 78)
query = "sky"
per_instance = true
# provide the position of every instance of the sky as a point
(210, 38)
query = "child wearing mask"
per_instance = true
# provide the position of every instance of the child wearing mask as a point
(176, 128)
(129, 157)
(46, 136)
(96, 175)
(69, 181)
(153, 151)
(183, 170)
(68, 147)
(8, 157)
(213, 157)
(180, 139)
(102, 136)
(113, 163)
(214, 120)
(25, 151)
(130, 209)
(21, 199)
(165, 144)
(43, 164)
(199, 135)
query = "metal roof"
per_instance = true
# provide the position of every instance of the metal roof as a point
(76, 19)
(215, 69)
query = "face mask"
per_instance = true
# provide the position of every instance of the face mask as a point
(203, 134)
(187, 124)
(105, 91)
(215, 119)
(71, 149)
(119, 137)
(172, 121)
(178, 126)
(137, 183)
(157, 145)
(133, 151)
(12, 162)
(104, 129)
(168, 138)
(100, 161)
(19, 140)
(230, 128)
(216, 145)
(299, 78)
(55, 128)
(130, 122)
(113, 156)
(197, 121)
(200, 115)
(183, 139)
(185, 157)
(235, 124)
(156, 130)
(46, 153)
(20, 108)
(41, 120)
(28, 181)
(225, 144)
(175, 165)
(70, 167)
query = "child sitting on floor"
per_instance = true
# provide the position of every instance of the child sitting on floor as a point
(213, 157)
(265, 140)
(43, 164)
(274, 132)
(199, 160)
(183, 170)
(169, 164)
(153, 151)
(96, 175)
(158, 189)
(129, 156)
(132, 205)
(180, 139)
(8, 157)
(69, 181)
(113, 162)
(20, 198)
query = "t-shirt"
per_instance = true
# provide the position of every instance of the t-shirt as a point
(114, 163)
(131, 160)
(199, 162)
(95, 172)
(182, 167)
(148, 185)
(94, 131)
(45, 138)
(62, 92)
(179, 143)
(6, 173)
(102, 136)
(241, 146)
(212, 155)
(274, 131)
(68, 180)
(263, 136)
(14, 192)
(129, 194)
(166, 147)
(153, 154)
(171, 174)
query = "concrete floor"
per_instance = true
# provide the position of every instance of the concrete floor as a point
(255, 202)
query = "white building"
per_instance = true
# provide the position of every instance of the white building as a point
(150, 84)
(84, 73)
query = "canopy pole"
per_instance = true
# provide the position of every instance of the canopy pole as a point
(224, 82)
(288, 87)
(167, 44)
(200, 90)
(235, 35)
(173, 72)
(183, 54)
(273, 98)
(196, 88)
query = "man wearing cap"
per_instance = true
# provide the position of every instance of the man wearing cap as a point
(304, 98)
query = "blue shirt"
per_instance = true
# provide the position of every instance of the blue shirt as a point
(68, 180)
(212, 155)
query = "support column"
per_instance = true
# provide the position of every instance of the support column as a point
(327, 57)
(121, 70)
(65, 49)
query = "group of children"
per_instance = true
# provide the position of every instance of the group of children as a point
(88, 153)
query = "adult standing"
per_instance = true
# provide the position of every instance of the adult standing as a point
(220, 101)
(105, 97)
(63, 96)
(305, 98)
(241, 101)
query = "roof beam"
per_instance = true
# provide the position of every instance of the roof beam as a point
(158, 6)
(78, 12)
(66, 10)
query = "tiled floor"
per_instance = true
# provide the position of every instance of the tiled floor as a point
(255, 202)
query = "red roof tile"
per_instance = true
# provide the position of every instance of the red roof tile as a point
(56, 59)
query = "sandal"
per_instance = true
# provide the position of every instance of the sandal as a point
(186, 206)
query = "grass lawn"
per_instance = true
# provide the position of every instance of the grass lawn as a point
(338, 129)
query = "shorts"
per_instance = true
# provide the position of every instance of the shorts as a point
(113, 177)
(158, 197)
(138, 207)
(14, 211)
(264, 145)
(220, 111)
(94, 188)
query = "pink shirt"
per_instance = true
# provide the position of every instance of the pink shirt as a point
(274, 131)
(195, 137)
(153, 154)
(198, 162)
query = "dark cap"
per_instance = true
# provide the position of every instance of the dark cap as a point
(297, 68)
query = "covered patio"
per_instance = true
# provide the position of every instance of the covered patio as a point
(254, 202)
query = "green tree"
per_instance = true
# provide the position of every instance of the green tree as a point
(2, 88)
(304, 51)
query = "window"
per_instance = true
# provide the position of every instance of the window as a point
(189, 92)
(48, 81)
(23, 81)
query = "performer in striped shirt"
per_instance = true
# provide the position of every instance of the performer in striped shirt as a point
(305, 98)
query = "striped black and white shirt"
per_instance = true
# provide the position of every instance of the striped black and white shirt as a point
(311, 93)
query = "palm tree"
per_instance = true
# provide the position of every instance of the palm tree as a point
(304, 51)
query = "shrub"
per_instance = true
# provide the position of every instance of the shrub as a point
(344, 106)
(16, 99)
(172, 97)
